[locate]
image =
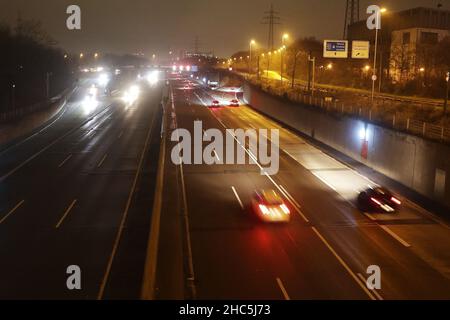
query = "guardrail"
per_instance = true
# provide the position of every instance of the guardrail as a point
(394, 121)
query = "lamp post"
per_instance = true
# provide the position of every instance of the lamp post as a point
(312, 71)
(447, 79)
(283, 46)
(252, 43)
(294, 69)
(13, 96)
(268, 65)
(374, 74)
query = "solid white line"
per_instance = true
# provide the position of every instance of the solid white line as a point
(12, 211)
(369, 216)
(65, 160)
(290, 196)
(237, 197)
(375, 292)
(262, 169)
(65, 214)
(289, 154)
(324, 181)
(342, 262)
(283, 289)
(151, 261)
(3, 178)
(101, 161)
(191, 276)
(395, 236)
(124, 215)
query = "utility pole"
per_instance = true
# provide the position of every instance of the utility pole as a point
(271, 19)
(294, 70)
(447, 80)
(351, 15)
(13, 96)
(311, 73)
(258, 76)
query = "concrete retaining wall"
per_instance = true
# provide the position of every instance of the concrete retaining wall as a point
(419, 164)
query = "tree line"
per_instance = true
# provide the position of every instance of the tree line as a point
(32, 67)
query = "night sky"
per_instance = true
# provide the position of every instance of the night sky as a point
(151, 26)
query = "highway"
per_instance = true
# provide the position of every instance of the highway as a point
(79, 192)
(210, 246)
(97, 188)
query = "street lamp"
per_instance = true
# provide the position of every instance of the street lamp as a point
(13, 96)
(447, 79)
(252, 43)
(374, 74)
(268, 64)
(96, 55)
(284, 38)
(81, 55)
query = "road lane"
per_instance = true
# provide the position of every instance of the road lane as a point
(236, 257)
(34, 252)
(428, 269)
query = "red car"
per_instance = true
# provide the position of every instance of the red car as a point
(234, 103)
(270, 207)
(215, 104)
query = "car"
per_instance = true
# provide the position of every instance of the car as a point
(378, 199)
(215, 104)
(234, 103)
(268, 206)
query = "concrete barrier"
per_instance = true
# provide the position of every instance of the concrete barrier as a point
(417, 163)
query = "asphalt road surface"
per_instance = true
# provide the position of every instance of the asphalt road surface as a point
(210, 246)
(80, 193)
(87, 191)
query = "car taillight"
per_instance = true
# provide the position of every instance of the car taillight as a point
(393, 199)
(285, 209)
(264, 209)
(376, 201)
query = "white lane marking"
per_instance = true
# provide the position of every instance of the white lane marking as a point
(324, 181)
(375, 292)
(69, 208)
(283, 289)
(395, 236)
(237, 197)
(120, 135)
(342, 262)
(101, 161)
(11, 211)
(191, 277)
(253, 157)
(289, 154)
(65, 160)
(6, 176)
(124, 215)
(370, 216)
(290, 196)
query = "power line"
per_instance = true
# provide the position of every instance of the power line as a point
(271, 19)
(351, 15)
